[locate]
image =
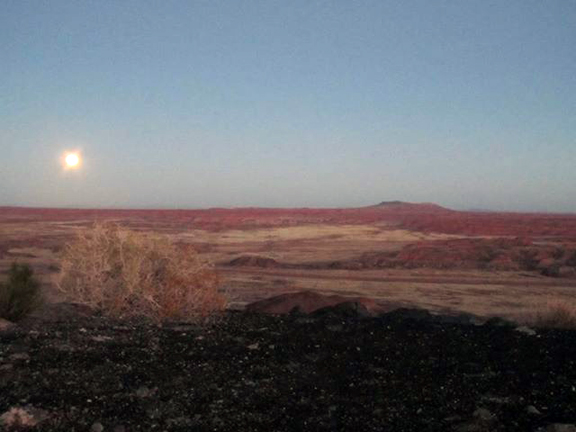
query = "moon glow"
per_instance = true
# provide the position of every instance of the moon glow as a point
(72, 160)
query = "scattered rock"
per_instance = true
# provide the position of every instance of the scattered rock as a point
(184, 328)
(469, 427)
(351, 309)
(462, 318)
(303, 319)
(306, 302)
(413, 314)
(144, 392)
(182, 421)
(321, 375)
(481, 421)
(97, 427)
(296, 311)
(335, 327)
(27, 416)
(63, 347)
(561, 427)
(526, 330)
(22, 356)
(532, 410)
(483, 415)
(154, 412)
(100, 338)
(59, 312)
(497, 400)
(6, 325)
(499, 322)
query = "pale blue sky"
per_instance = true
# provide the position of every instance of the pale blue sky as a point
(470, 104)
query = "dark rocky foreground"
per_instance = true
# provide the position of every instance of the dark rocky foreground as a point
(249, 372)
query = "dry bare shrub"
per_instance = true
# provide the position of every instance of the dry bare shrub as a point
(19, 418)
(555, 314)
(126, 274)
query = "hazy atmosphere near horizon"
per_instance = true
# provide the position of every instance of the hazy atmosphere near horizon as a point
(191, 104)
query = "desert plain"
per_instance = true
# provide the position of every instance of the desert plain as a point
(394, 253)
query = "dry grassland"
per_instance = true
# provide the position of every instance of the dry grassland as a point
(38, 242)
(302, 244)
(496, 298)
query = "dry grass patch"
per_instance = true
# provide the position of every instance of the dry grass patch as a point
(126, 273)
(317, 232)
(555, 314)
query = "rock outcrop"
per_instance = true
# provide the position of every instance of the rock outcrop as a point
(308, 302)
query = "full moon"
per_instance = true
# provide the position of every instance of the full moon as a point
(72, 160)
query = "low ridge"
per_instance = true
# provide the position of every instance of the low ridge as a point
(411, 207)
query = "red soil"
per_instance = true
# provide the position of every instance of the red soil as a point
(496, 224)
(418, 217)
(510, 254)
(531, 241)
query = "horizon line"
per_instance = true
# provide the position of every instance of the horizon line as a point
(163, 208)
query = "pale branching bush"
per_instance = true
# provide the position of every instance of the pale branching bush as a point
(126, 274)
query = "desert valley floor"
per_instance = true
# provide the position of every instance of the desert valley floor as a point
(398, 254)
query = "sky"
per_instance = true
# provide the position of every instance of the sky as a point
(213, 103)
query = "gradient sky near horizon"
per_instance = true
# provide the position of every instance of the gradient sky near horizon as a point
(191, 104)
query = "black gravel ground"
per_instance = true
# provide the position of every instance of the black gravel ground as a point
(293, 373)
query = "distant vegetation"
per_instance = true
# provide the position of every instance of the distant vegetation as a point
(125, 273)
(21, 294)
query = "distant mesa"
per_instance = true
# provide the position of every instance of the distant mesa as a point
(391, 203)
(411, 207)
